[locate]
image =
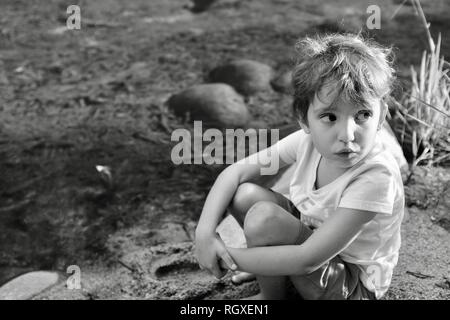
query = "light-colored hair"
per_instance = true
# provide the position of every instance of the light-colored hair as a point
(360, 68)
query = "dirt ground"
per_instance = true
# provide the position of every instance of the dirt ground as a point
(74, 99)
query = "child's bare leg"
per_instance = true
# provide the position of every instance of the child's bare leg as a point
(245, 197)
(267, 224)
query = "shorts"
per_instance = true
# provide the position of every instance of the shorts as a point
(335, 280)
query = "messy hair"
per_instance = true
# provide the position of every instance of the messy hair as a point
(360, 69)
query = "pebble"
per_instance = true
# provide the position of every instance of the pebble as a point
(282, 83)
(217, 105)
(246, 76)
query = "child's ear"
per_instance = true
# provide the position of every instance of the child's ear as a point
(304, 126)
(383, 112)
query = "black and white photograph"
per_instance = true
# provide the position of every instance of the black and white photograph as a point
(227, 150)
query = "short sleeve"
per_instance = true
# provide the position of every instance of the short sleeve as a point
(371, 190)
(287, 147)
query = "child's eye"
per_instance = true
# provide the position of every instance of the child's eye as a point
(363, 116)
(328, 117)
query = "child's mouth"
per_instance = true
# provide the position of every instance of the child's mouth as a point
(346, 153)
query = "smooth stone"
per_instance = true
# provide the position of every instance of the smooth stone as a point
(246, 76)
(217, 105)
(282, 83)
(26, 286)
(231, 233)
(201, 5)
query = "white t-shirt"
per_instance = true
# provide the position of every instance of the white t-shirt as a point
(373, 184)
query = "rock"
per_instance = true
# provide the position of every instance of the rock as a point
(257, 124)
(231, 233)
(8, 273)
(217, 105)
(246, 76)
(282, 83)
(201, 5)
(28, 285)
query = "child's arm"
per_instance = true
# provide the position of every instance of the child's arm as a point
(326, 242)
(208, 247)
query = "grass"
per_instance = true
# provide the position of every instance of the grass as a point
(422, 116)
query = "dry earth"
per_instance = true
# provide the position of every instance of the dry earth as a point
(71, 100)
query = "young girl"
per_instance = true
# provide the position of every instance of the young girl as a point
(336, 235)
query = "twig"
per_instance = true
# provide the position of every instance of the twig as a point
(15, 207)
(398, 9)
(419, 275)
(429, 105)
(427, 26)
(441, 158)
(126, 266)
(410, 175)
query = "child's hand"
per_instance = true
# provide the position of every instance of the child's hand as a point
(210, 250)
(225, 261)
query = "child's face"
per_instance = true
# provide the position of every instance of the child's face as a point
(342, 132)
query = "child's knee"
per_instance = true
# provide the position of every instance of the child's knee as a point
(260, 222)
(244, 197)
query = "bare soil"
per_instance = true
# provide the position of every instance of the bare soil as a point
(72, 100)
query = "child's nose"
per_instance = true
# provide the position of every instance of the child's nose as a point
(347, 131)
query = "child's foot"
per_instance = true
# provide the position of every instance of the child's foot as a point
(242, 277)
